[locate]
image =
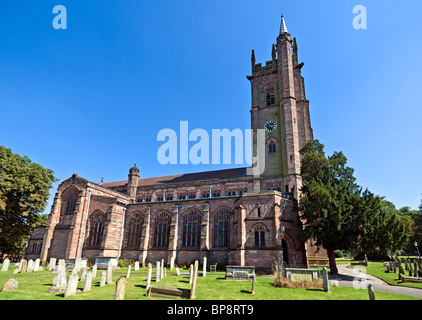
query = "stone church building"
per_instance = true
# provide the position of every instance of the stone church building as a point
(228, 216)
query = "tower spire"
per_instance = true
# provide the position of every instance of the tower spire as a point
(283, 28)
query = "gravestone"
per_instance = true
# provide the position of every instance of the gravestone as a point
(109, 272)
(84, 273)
(16, 271)
(75, 272)
(103, 279)
(162, 269)
(37, 264)
(87, 282)
(371, 292)
(30, 267)
(195, 274)
(52, 264)
(191, 273)
(149, 276)
(60, 279)
(325, 279)
(177, 271)
(10, 285)
(253, 285)
(78, 264)
(119, 292)
(24, 265)
(157, 271)
(136, 268)
(20, 265)
(128, 271)
(94, 271)
(204, 267)
(171, 263)
(72, 285)
(5, 265)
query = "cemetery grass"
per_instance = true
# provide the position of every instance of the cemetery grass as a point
(212, 287)
(377, 269)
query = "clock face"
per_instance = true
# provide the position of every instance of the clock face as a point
(270, 126)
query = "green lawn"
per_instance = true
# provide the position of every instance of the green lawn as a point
(33, 286)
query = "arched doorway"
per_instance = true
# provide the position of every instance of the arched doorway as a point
(285, 253)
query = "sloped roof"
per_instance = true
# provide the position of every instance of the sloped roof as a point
(207, 175)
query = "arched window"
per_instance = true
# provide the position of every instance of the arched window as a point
(191, 224)
(69, 197)
(216, 194)
(97, 223)
(134, 232)
(221, 228)
(259, 236)
(205, 195)
(272, 145)
(270, 94)
(162, 230)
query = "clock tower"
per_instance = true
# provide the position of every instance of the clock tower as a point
(280, 107)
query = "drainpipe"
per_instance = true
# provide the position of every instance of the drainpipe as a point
(86, 219)
(177, 233)
(121, 233)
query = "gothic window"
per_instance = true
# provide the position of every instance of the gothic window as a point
(259, 236)
(97, 222)
(221, 228)
(182, 196)
(192, 195)
(270, 94)
(216, 194)
(162, 230)
(134, 232)
(205, 195)
(69, 200)
(191, 226)
(169, 197)
(272, 145)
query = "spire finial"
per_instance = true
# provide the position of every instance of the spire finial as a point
(283, 28)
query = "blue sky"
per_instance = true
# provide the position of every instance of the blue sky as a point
(91, 99)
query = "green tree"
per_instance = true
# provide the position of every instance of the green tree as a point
(335, 212)
(24, 191)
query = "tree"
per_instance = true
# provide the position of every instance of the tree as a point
(24, 191)
(337, 214)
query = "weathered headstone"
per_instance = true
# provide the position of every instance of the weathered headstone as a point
(10, 285)
(325, 279)
(5, 265)
(52, 264)
(16, 271)
(371, 292)
(109, 272)
(204, 267)
(87, 282)
(20, 265)
(191, 273)
(171, 263)
(30, 265)
(253, 285)
(37, 264)
(162, 269)
(119, 292)
(177, 271)
(72, 285)
(149, 276)
(136, 268)
(157, 271)
(75, 273)
(24, 265)
(60, 279)
(83, 274)
(128, 272)
(94, 271)
(103, 279)
(193, 287)
(78, 264)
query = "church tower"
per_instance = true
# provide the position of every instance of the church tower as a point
(280, 107)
